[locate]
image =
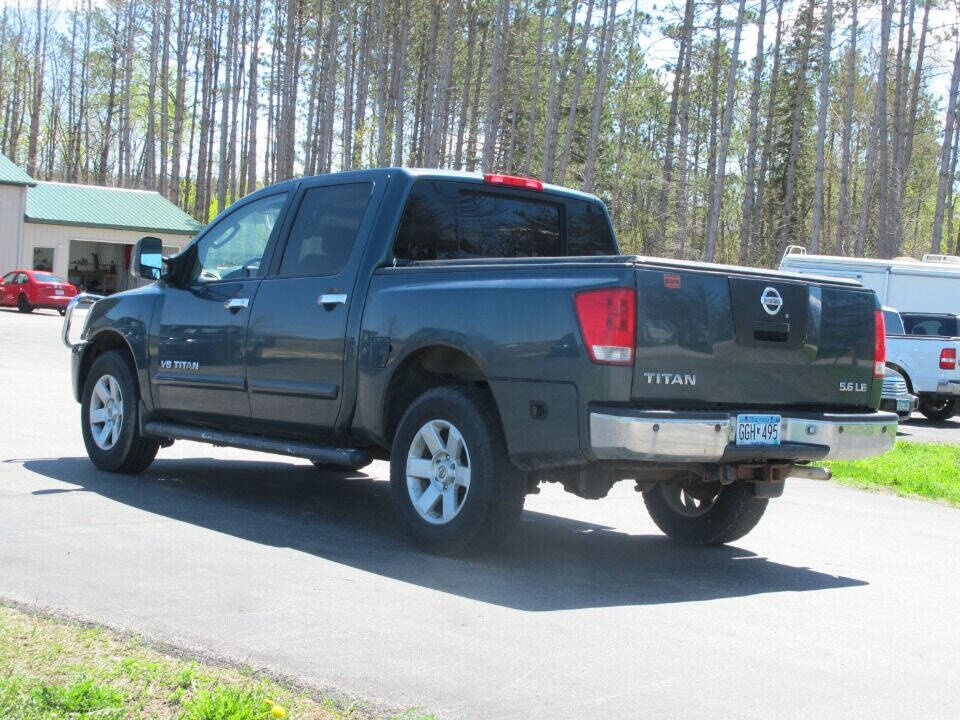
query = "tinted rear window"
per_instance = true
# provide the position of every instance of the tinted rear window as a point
(449, 220)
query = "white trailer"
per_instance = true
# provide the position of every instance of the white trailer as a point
(930, 285)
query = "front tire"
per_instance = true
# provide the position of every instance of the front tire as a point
(23, 305)
(938, 407)
(108, 416)
(704, 513)
(453, 485)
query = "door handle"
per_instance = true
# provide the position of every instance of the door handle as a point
(332, 299)
(236, 304)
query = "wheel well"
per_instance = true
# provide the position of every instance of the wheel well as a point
(105, 342)
(424, 369)
(905, 376)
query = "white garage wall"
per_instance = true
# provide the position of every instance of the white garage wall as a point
(58, 237)
(13, 199)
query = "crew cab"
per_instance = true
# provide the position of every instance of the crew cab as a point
(927, 362)
(28, 290)
(484, 334)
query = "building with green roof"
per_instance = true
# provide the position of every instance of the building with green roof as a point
(83, 233)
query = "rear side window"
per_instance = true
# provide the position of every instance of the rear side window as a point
(893, 323)
(588, 232)
(325, 229)
(447, 220)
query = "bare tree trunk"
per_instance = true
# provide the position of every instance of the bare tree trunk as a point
(535, 92)
(492, 115)
(660, 227)
(599, 93)
(253, 101)
(844, 201)
(822, 127)
(786, 216)
(549, 151)
(725, 129)
(575, 96)
(475, 111)
(680, 239)
(124, 168)
(625, 97)
(879, 119)
(906, 152)
(945, 150)
(36, 100)
(749, 187)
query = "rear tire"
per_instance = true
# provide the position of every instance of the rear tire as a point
(704, 513)
(109, 418)
(23, 305)
(454, 488)
(938, 407)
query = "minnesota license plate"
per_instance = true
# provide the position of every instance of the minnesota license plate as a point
(58, 291)
(758, 429)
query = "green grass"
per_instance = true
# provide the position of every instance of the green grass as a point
(911, 469)
(54, 669)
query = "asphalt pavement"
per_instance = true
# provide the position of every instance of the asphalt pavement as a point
(841, 604)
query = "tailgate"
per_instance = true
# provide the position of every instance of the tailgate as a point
(716, 338)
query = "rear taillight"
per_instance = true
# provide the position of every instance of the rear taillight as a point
(608, 322)
(879, 345)
(948, 359)
(513, 181)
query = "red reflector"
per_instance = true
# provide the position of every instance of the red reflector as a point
(608, 323)
(672, 282)
(948, 359)
(513, 181)
(879, 345)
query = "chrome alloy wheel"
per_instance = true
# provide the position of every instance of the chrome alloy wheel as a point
(438, 472)
(691, 500)
(106, 412)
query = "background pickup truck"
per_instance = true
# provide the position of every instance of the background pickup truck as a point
(927, 362)
(484, 335)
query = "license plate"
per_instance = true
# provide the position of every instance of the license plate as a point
(58, 291)
(758, 429)
(903, 405)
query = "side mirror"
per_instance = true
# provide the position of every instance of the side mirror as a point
(147, 259)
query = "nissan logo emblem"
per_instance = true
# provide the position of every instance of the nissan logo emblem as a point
(770, 301)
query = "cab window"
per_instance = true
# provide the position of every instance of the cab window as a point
(446, 220)
(325, 229)
(233, 248)
(893, 323)
(8, 278)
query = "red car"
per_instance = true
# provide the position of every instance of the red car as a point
(29, 289)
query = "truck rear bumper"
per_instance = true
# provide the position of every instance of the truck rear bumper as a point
(948, 387)
(664, 436)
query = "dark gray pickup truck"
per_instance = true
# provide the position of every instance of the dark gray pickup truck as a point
(484, 334)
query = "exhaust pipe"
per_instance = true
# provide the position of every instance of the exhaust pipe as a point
(809, 472)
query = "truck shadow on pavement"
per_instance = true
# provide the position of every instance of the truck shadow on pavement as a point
(550, 563)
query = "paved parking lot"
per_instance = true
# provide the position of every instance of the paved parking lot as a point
(841, 603)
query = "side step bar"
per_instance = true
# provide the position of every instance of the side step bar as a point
(348, 457)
